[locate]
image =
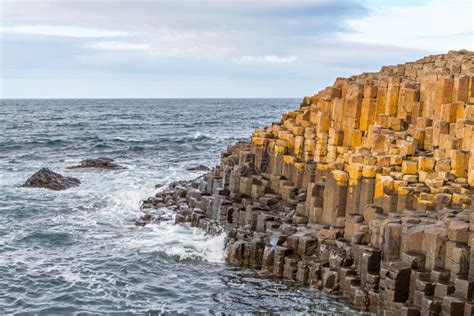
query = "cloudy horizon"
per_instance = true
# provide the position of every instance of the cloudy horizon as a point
(283, 48)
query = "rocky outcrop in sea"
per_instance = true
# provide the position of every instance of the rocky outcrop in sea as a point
(45, 178)
(98, 163)
(363, 192)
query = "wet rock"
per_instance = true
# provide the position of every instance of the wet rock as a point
(199, 168)
(98, 163)
(153, 203)
(48, 179)
(153, 218)
(145, 219)
(179, 219)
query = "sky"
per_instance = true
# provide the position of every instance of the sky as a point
(214, 48)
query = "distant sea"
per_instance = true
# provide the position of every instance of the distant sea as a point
(79, 252)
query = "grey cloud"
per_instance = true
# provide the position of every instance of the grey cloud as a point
(289, 45)
(270, 17)
(215, 29)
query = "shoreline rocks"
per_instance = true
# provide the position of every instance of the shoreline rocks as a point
(45, 178)
(98, 163)
(364, 192)
(152, 218)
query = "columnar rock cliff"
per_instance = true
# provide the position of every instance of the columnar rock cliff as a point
(364, 191)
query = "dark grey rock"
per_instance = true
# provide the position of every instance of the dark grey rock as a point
(100, 163)
(48, 179)
(199, 168)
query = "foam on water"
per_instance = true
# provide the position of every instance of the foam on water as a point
(180, 242)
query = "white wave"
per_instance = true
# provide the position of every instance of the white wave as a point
(180, 241)
(199, 135)
(216, 138)
(121, 206)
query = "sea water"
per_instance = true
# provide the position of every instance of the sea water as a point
(79, 252)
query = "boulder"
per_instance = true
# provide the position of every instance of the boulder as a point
(99, 163)
(48, 179)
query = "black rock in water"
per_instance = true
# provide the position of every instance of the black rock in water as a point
(100, 163)
(145, 219)
(48, 179)
(199, 168)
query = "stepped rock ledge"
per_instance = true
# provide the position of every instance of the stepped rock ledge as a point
(363, 192)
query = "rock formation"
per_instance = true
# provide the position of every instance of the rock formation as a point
(100, 163)
(45, 178)
(364, 192)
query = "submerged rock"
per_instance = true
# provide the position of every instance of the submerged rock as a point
(48, 179)
(100, 163)
(199, 168)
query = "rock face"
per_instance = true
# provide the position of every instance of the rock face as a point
(364, 191)
(100, 163)
(48, 179)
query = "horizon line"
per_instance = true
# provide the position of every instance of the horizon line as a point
(142, 98)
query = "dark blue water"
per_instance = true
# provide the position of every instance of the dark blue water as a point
(79, 252)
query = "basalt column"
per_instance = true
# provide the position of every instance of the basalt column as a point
(364, 191)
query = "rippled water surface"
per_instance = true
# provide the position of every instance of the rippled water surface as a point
(78, 251)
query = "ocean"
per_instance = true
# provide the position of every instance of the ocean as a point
(79, 252)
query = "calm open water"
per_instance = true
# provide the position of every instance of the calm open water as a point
(79, 252)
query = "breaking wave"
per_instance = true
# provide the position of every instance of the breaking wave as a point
(181, 242)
